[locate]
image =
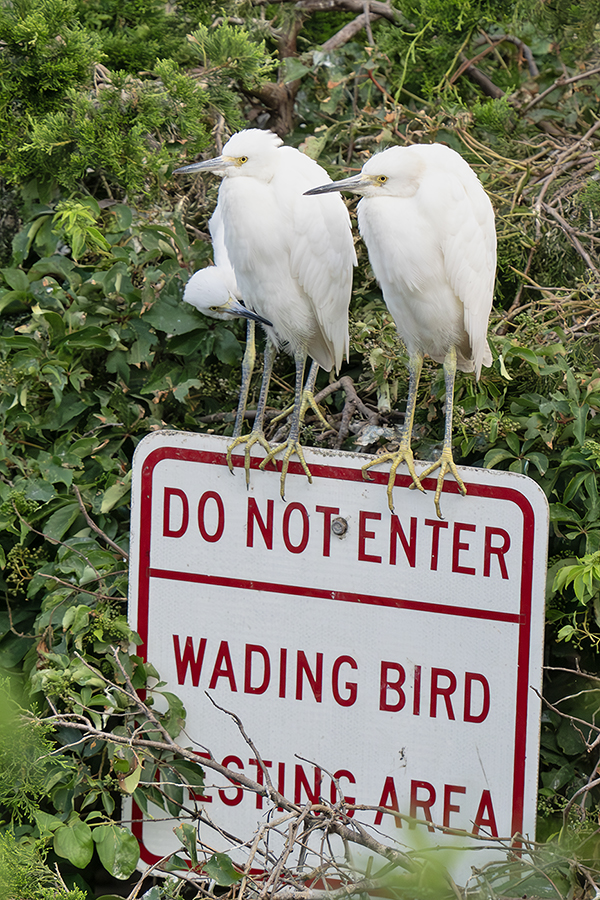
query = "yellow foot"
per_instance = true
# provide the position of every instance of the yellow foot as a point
(308, 399)
(404, 454)
(255, 437)
(445, 464)
(290, 448)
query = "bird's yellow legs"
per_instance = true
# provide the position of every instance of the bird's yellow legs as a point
(308, 399)
(247, 369)
(292, 445)
(446, 461)
(404, 452)
(257, 435)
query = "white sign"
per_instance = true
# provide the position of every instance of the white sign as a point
(399, 652)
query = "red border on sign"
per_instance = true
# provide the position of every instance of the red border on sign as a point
(522, 618)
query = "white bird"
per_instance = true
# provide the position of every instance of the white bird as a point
(211, 291)
(429, 229)
(292, 258)
(214, 292)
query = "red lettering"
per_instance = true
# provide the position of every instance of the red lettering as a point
(435, 540)
(385, 684)
(266, 529)
(449, 807)
(364, 536)
(335, 789)
(470, 677)
(282, 671)
(290, 508)
(218, 532)
(438, 691)
(389, 800)
(239, 794)
(351, 686)
(457, 546)
(189, 659)
(485, 815)
(223, 667)
(425, 804)
(260, 776)
(417, 693)
(328, 513)
(250, 650)
(489, 550)
(410, 550)
(185, 513)
(301, 781)
(315, 681)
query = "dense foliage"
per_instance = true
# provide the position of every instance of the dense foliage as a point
(98, 102)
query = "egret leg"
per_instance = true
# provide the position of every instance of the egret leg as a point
(257, 435)
(308, 399)
(446, 461)
(247, 369)
(292, 445)
(404, 452)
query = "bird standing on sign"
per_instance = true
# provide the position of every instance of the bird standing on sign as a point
(292, 259)
(429, 229)
(214, 292)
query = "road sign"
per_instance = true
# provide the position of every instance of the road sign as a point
(400, 653)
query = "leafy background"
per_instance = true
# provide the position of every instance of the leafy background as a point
(99, 101)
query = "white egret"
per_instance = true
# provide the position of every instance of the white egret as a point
(292, 258)
(213, 293)
(429, 229)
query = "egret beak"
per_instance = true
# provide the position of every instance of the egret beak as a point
(236, 308)
(207, 165)
(356, 184)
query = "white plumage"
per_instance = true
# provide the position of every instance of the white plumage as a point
(429, 229)
(292, 256)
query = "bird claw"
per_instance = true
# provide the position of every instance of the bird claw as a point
(308, 399)
(255, 437)
(291, 447)
(404, 454)
(445, 464)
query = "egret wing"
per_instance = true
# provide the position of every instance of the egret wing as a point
(322, 255)
(469, 250)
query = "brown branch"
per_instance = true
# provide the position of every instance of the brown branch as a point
(96, 528)
(570, 232)
(560, 82)
(349, 30)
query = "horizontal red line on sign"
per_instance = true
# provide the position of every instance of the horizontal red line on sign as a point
(345, 596)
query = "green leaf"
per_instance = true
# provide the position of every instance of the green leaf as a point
(220, 868)
(115, 493)
(73, 841)
(130, 783)
(16, 279)
(59, 522)
(118, 850)
(188, 837)
(171, 315)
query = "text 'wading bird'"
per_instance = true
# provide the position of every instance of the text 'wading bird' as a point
(429, 229)
(292, 258)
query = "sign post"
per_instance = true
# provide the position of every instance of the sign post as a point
(399, 653)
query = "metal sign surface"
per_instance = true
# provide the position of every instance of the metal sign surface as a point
(399, 653)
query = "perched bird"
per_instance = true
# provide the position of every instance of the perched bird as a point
(429, 229)
(214, 292)
(292, 258)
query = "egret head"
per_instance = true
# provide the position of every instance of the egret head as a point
(208, 290)
(249, 152)
(395, 172)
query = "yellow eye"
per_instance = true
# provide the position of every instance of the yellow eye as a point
(381, 179)
(214, 308)
(242, 160)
